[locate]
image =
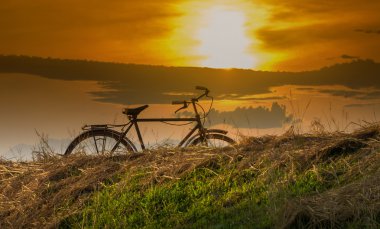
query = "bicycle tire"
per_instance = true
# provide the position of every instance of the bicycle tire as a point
(222, 138)
(124, 146)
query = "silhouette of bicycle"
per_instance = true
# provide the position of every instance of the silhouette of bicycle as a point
(104, 139)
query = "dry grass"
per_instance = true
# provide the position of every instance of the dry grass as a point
(358, 202)
(42, 193)
(34, 194)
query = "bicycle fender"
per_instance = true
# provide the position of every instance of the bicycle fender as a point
(219, 131)
(131, 144)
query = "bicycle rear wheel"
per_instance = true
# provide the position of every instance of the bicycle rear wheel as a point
(213, 141)
(99, 142)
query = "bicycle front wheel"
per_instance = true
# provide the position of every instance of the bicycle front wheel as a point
(213, 141)
(99, 142)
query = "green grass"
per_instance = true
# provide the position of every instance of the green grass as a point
(201, 198)
(219, 198)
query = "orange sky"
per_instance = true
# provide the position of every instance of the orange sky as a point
(268, 35)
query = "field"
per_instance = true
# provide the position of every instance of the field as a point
(316, 180)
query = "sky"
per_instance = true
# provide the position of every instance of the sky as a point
(290, 35)
(269, 64)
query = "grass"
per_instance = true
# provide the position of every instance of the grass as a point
(204, 197)
(291, 181)
(221, 198)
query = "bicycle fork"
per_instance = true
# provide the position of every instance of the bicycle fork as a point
(202, 131)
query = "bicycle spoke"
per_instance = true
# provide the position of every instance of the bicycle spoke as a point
(95, 142)
(104, 144)
(87, 147)
(96, 145)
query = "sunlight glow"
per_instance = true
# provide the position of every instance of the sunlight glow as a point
(223, 40)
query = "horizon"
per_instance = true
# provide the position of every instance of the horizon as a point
(349, 61)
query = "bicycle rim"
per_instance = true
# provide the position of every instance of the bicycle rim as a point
(213, 141)
(98, 142)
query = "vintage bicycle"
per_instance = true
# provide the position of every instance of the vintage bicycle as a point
(104, 139)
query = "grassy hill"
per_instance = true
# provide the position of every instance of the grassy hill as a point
(318, 180)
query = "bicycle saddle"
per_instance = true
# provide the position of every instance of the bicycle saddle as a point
(134, 111)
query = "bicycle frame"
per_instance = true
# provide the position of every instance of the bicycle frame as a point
(134, 122)
(138, 132)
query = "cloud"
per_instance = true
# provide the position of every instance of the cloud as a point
(283, 39)
(345, 56)
(360, 105)
(259, 117)
(129, 31)
(71, 16)
(252, 97)
(297, 36)
(362, 94)
(368, 31)
(341, 93)
(257, 98)
(290, 10)
(248, 117)
(301, 35)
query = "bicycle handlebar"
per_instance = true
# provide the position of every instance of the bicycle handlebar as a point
(193, 100)
(184, 103)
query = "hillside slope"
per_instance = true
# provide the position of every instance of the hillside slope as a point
(316, 180)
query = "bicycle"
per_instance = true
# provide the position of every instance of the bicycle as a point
(103, 139)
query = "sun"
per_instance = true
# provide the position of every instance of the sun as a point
(223, 42)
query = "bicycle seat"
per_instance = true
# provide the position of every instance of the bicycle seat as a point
(134, 111)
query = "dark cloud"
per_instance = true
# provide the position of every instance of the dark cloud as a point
(368, 31)
(342, 93)
(360, 105)
(263, 99)
(297, 36)
(138, 84)
(259, 117)
(364, 94)
(305, 89)
(248, 117)
(370, 95)
(345, 56)
(250, 97)
(300, 7)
